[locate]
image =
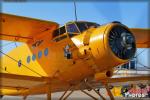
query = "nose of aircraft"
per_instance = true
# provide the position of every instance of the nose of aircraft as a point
(109, 45)
(122, 42)
(112, 45)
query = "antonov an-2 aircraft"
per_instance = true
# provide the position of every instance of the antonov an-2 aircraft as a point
(65, 58)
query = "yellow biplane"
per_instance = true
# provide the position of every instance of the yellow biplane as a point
(65, 58)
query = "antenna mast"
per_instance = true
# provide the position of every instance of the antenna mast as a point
(75, 11)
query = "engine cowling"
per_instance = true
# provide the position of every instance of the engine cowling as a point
(111, 45)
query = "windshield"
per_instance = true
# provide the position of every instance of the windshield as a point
(72, 29)
(75, 28)
(85, 25)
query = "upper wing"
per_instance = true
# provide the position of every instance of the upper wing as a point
(23, 29)
(142, 37)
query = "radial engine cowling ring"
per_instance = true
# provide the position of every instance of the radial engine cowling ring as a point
(122, 42)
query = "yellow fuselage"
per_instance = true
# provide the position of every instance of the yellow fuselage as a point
(91, 55)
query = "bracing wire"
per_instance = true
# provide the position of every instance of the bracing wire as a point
(140, 53)
(21, 63)
(143, 65)
(138, 61)
(7, 44)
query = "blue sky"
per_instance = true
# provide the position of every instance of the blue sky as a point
(132, 14)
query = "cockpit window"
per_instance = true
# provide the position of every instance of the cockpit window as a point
(56, 33)
(59, 31)
(85, 25)
(82, 26)
(71, 28)
(90, 24)
(59, 34)
(62, 30)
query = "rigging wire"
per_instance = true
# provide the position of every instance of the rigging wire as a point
(21, 63)
(140, 53)
(137, 60)
(143, 65)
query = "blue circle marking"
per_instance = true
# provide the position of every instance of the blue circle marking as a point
(40, 54)
(28, 59)
(46, 52)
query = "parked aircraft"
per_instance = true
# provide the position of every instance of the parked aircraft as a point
(60, 58)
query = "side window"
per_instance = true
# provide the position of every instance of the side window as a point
(39, 54)
(59, 32)
(28, 59)
(33, 57)
(56, 33)
(71, 28)
(46, 52)
(62, 30)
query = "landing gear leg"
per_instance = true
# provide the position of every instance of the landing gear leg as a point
(94, 90)
(1, 96)
(108, 91)
(24, 97)
(48, 92)
(63, 97)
